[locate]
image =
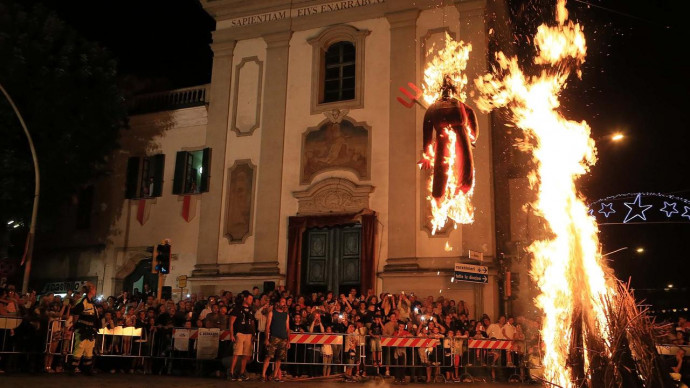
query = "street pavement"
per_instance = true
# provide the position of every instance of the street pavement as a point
(148, 381)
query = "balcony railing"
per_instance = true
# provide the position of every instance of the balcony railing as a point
(169, 100)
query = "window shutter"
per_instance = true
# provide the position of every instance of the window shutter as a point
(206, 167)
(178, 181)
(158, 164)
(132, 177)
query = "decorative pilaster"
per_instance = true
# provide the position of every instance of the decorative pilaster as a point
(473, 29)
(272, 136)
(216, 138)
(402, 138)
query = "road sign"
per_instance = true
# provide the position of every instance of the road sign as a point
(182, 281)
(471, 273)
(474, 255)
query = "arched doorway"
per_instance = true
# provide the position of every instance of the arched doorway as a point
(346, 226)
(134, 282)
(335, 214)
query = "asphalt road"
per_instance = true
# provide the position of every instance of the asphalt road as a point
(148, 381)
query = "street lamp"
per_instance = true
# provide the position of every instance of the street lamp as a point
(29, 248)
(618, 136)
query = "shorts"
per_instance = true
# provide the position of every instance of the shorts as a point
(375, 344)
(243, 345)
(353, 356)
(277, 348)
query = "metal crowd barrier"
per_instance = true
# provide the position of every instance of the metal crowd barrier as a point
(7, 326)
(672, 349)
(313, 354)
(317, 354)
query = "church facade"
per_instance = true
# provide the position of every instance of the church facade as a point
(297, 166)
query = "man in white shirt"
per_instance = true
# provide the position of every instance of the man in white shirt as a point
(495, 330)
(207, 310)
(509, 334)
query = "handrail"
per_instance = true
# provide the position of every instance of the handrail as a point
(169, 100)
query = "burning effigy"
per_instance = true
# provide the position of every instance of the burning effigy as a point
(450, 132)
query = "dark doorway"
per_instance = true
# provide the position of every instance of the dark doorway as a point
(331, 259)
(140, 276)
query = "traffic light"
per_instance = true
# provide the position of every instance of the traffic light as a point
(514, 285)
(163, 258)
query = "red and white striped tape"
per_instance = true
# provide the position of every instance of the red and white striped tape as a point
(316, 339)
(489, 344)
(409, 342)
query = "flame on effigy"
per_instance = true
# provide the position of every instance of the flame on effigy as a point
(450, 61)
(567, 266)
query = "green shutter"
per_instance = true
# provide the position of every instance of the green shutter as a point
(178, 181)
(206, 169)
(132, 182)
(158, 165)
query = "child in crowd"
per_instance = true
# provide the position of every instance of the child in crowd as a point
(327, 352)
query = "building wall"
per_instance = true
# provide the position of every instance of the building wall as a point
(167, 133)
(299, 119)
(239, 123)
(241, 147)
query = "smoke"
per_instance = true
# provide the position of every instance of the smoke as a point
(377, 383)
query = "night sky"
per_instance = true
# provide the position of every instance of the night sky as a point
(635, 80)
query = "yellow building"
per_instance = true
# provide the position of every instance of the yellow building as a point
(296, 165)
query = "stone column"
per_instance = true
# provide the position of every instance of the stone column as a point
(216, 139)
(268, 194)
(480, 236)
(402, 175)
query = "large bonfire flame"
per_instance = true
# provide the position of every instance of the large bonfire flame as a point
(450, 61)
(567, 266)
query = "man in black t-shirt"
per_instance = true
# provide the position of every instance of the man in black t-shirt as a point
(242, 330)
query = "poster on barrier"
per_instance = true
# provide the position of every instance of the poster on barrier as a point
(181, 340)
(207, 344)
(9, 323)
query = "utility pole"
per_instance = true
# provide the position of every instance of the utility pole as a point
(29, 247)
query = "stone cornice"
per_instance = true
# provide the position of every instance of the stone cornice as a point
(471, 7)
(277, 39)
(224, 11)
(224, 48)
(333, 196)
(401, 19)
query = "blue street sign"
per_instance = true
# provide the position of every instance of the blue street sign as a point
(471, 273)
(471, 277)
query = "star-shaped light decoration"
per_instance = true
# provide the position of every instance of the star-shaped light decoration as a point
(686, 213)
(669, 209)
(591, 212)
(606, 209)
(638, 210)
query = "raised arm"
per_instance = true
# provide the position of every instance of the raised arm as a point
(268, 326)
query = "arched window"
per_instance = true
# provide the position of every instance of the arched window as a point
(338, 69)
(339, 76)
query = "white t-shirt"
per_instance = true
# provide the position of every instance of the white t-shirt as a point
(494, 331)
(509, 331)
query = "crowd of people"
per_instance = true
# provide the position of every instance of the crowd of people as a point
(260, 324)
